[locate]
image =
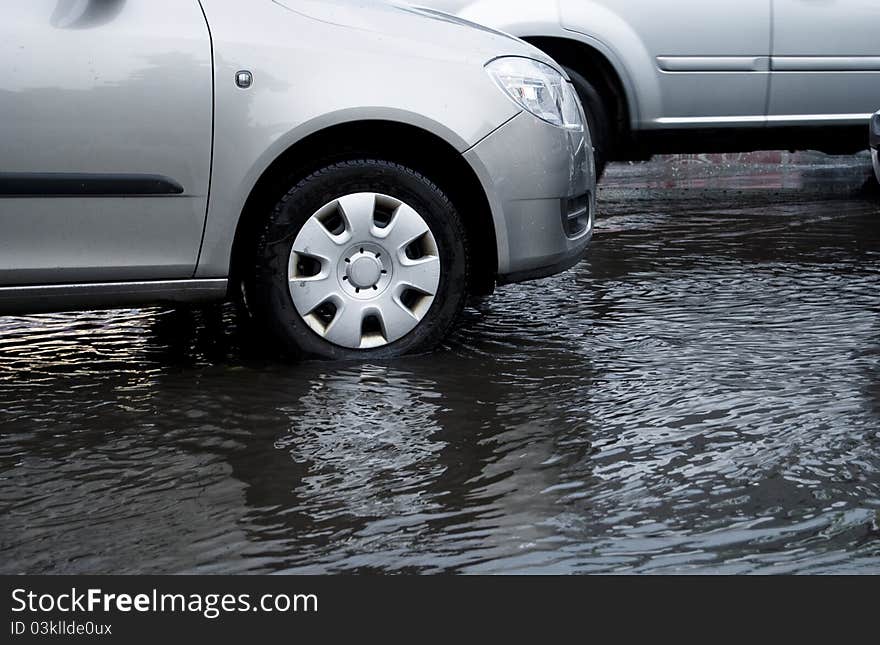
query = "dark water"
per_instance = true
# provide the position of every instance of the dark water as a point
(701, 395)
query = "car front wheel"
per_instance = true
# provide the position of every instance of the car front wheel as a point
(362, 259)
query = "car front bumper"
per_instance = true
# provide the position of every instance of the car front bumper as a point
(875, 143)
(541, 185)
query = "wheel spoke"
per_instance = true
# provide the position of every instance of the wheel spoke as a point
(405, 227)
(347, 326)
(316, 241)
(396, 320)
(310, 293)
(422, 274)
(359, 212)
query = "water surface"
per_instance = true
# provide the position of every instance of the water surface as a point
(701, 395)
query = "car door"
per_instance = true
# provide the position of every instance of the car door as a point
(105, 140)
(693, 62)
(826, 61)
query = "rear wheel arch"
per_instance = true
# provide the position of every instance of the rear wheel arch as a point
(595, 67)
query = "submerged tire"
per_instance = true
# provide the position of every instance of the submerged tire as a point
(362, 259)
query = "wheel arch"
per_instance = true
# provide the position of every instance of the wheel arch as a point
(596, 67)
(410, 145)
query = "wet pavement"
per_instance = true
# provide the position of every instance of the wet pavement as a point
(701, 395)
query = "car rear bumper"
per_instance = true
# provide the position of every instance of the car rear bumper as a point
(541, 185)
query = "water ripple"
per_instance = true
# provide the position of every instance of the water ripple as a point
(702, 394)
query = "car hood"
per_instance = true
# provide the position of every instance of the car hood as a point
(422, 26)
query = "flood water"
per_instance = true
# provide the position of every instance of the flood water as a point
(701, 395)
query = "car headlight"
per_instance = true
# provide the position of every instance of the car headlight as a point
(538, 88)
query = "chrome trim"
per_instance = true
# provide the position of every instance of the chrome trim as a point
(109, 295)
(709, 120)
(855, 119)
(825, 63)
(775, 119)
(713, 63)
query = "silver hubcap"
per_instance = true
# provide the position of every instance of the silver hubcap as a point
(364, 270)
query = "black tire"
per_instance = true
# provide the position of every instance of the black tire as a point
(597, 119)
(269, 293)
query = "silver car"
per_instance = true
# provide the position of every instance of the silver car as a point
(354, 170)
(707, 75)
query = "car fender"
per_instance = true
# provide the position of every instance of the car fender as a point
(301, 86)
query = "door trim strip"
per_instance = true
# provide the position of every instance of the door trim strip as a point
(713, 63)
(775, 119)
(825, 63)
(67, 184)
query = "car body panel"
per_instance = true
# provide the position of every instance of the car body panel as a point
(114, 92)
(385, 81)
(716, 49)
(527, 193)
(826, 61)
